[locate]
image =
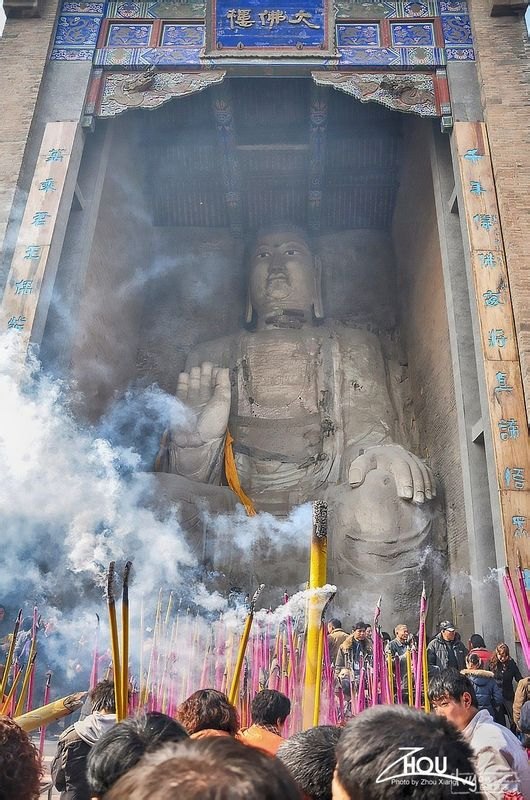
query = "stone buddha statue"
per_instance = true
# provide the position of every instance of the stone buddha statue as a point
(306, 401)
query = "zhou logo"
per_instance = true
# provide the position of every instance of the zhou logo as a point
(423, 771)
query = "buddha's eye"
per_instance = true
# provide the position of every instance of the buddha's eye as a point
(291, 252)
(263, 254)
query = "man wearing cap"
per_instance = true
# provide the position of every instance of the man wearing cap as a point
(446, 651)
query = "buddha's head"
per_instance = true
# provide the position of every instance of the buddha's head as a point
(284, 277)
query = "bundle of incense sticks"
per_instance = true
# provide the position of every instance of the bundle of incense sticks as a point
(520, 609)
(185, 653)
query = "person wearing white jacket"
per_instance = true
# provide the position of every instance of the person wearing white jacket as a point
(501, 761)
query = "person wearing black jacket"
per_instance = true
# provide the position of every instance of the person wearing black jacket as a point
(445, 651)
(68, 768)
(506, 672)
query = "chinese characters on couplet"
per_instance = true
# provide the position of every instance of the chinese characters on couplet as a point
(16, 323)
(502, 382)
(519, 526)
(497, 338)
(24, 287)
(40, 218)
(492, 299)
(55, 154)
(475, 187)
(32, 253)
(473, 155)
(514, 478)
(508, 429)
(487, 259)
(47, 185)
(268, 18)
(486, 221)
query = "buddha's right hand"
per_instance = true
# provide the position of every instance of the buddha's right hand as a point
(205, 390)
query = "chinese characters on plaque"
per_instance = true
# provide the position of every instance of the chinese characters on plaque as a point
(258, 28)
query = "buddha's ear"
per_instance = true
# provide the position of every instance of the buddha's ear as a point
(249, 311)
(318, 305)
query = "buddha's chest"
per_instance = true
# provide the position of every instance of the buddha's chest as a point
(277, 375)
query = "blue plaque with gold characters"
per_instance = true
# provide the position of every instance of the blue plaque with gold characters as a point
(270, 28)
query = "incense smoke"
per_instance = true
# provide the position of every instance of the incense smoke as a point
(72, 499)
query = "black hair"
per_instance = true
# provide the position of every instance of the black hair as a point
(212, 768)
(310, 758)
(372, 743)
(361, 626)
(102, 697)
(473, 658)
(337, 623)
(451, 683)
(121, 747)
(476, 640)
(269, 706)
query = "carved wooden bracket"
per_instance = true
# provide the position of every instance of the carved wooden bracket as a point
(112, 93)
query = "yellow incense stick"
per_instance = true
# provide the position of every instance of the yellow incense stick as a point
(317, 579)
(10, 654)
(7, 703)
(408, 657)
(27, 675)
(234, 686)
(390, 670)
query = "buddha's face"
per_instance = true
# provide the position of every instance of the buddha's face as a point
(282, 274)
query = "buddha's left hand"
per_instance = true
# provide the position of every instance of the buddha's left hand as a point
(414, 479)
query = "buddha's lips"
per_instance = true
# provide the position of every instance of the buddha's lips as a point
(276, 275)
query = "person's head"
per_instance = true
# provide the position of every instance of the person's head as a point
(102, 698)
(502, 653)
(20, 765)
(2, 613)
(284, 275)
(208, 709)
(452, 696)
(359, 631)
(368, 630)
(476, 641)
(373, 747)
(473, 661)
(270, 707)
(402, 633)
(219, 768)
(310, 758)
(121, 747)
(334, 625)
(447, 630)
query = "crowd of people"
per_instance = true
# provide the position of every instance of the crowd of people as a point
(386, 751)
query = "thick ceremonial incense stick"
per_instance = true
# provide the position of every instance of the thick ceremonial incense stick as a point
(47, 714)
(115, 647)
(317, 579)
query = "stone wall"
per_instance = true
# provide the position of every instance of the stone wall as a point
(425, 333)
(503, 62)
(23, 50)
(106, 334)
